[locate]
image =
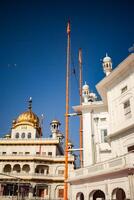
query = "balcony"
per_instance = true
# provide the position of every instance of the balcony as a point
(37, 141)
(31, 176)
(111, 166)
(33, 157)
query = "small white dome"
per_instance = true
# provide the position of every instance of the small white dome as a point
(107, 58)
(85, 87)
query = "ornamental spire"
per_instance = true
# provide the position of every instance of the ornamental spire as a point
(68, 27)
(30, 104)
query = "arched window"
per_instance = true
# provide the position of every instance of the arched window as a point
(118, 194)
(23, 135)
(97, 194)
(26, 168)
(16, 168)
(29, 135)
(80, 196)
(17, 135)
(7, 168)
(42, 169)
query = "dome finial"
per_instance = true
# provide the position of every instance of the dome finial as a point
(30, 104)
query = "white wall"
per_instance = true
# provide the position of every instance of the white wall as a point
(94, 149)
(23, 129)
(119, 123)
(116, 100)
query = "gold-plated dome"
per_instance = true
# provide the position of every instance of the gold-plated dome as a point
(27, 118)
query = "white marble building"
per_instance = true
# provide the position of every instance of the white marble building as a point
(31, 166)
(108, 137)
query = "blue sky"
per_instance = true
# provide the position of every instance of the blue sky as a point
(33, 37)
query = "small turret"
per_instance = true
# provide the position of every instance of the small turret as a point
(60, 137)
(54, 126)
(85, 93)
(107, 65)
(70, 146)
(92, 97)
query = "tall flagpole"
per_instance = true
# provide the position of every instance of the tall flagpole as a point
(81, 121)
(66, 115)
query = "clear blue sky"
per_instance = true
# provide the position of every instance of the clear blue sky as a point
(33, 36)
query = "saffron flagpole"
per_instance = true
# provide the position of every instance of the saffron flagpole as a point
(66, 114)
(80, 92)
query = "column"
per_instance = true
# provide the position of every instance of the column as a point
(131, 185)
(31, 190)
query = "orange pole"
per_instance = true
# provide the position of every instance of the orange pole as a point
(81, 121)
(66, 115)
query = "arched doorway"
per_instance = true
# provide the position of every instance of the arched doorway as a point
(97, 194)
(80, 196)
(41, 190)
(118, 194)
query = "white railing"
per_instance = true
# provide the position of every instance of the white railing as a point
(31, 175)
(26, 198)
(19, 139)
(115, 164)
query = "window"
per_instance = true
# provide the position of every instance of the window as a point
(37, 153)
(44, 153)
(124, 89)
(127, 109)
(14, 153)
(17, 135)
(29, 135)
(23, 135)
(103, 119)
(26, 153)
(60, 172)
(4, 153)
(126, 104)
(60, 193)
(49, 153)
(103, 135)
(131, 148)
(20, 153)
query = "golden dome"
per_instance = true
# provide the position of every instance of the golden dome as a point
(27, 118)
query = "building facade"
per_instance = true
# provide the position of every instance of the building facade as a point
(32, 167)
(108, 137)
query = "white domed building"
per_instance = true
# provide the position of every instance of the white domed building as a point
(108, 137)
(32, 167)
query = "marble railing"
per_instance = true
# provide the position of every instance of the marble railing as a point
(112, 165)
(30, 176)
(26, 156)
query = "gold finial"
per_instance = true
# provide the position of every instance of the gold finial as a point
(68, 27)
(30, 104)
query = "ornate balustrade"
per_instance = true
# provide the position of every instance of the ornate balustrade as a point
(116, 164)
